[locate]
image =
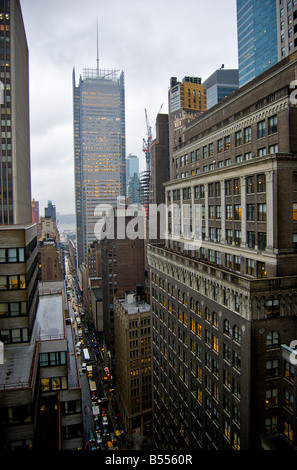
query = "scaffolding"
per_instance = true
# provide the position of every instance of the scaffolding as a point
(109, 74)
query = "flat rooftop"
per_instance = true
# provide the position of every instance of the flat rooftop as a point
(49, 324)
(50, 318)
(135, 307)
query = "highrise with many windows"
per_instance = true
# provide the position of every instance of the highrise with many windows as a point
(224, 284)
(15, 186)
(99, 148)
(257, 37)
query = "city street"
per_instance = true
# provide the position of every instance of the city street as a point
(96, 434)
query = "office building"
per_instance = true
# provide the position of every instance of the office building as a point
(133, 189)
(123, 264)
(132, 166)
(224, 284)
(286, 14)
(15, 187)
(220, 84)
(35, 211)
(51, 261)
(132, 324)
(99, 148)
(186, 101)
(257, 37)
(41, 369)
(50, 211)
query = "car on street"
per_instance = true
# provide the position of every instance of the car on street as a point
(91, 437)
(104, 420)
(98, 438)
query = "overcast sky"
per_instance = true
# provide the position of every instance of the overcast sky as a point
(150, 40)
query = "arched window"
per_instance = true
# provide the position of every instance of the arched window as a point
(198, 308)
(237, 334)
(272, 340)
(215, 319)
(227, 327)
(207, 314)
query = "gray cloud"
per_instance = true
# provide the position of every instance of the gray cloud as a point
(151, 40)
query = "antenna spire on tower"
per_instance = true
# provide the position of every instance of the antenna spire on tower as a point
(97, 50)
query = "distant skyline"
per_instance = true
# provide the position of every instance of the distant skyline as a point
(149, 40)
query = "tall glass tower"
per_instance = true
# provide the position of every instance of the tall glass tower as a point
(99, 148)
(15, 174)
(257, 37)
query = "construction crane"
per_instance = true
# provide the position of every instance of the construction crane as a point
(147, 143)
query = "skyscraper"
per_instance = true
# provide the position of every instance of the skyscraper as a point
(257, 37)
(99, 148)
(286, 13)
(220, 84)
(186, 101)
(15, 179)
(132, 166)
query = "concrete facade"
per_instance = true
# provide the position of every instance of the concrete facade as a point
(224, 281)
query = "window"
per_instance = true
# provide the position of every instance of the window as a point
(262, 241)
(229, 261)
(247, 134)
(295, 211)
(215, 343)
(219, 235)
(238, 138)
(219, 212)
(53, 383)
(289, 400)
(272, 307)
(227, 142)
(236, 360)
(261, 183)
(272, 340)
(261, 152)
(236, 186)
(237, 212)
(272, 125)
(288, 430)
(211, 190)
(271, 424)
(227, 327)
(250, 267)
(289, 371)
(227, 353)
(273, 148)
(220, 145)
(272, 368)
(205, 151)
(249, 184)
(237, 239)
(261, 129)
(250, 211)
(229, 212)
(251, 239)
(228, 188)
(262, 212)
(229, 236)
(237, 334)
(211, 149)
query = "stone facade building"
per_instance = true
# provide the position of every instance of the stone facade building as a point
(224, 284)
